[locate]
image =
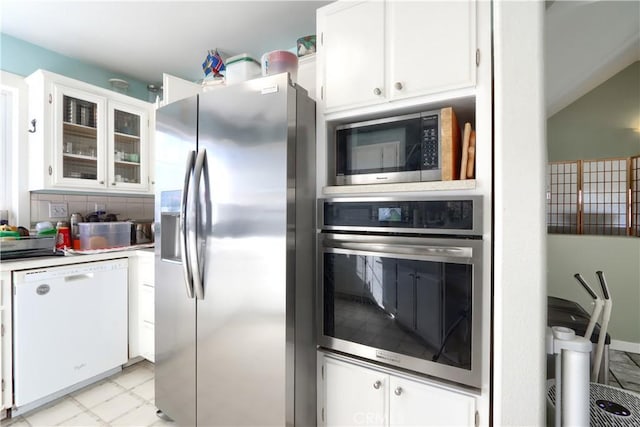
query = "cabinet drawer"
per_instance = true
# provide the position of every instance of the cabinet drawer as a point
(146, 273)
(146, 303)
(147, 340)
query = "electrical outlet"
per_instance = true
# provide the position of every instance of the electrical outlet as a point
(100, 207)
(58, 210)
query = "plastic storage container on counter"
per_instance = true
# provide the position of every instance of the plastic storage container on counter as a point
(102, 235)
(240, 68)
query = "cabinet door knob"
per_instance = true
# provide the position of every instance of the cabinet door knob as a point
(113, 183)
(377, 91)
(101, 182)
(398, 391)
(398, 85)
(377, 384)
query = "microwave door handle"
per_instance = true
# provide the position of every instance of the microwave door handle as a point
(188, 278)
(196, 265)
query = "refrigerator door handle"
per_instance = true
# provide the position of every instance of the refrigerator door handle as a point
(196, 266)
(184, 249)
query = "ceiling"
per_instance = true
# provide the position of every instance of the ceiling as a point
(143, 39)
(579, 54)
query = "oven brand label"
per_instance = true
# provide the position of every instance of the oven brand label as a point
(43, 289)
(386, 356)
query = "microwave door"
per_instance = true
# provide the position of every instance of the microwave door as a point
(378, 153)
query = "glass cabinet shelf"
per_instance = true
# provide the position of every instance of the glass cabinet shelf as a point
(126, 137)
(80, 157)
(79, 129)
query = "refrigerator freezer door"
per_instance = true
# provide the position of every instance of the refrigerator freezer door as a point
(175, 312)
(242, 333)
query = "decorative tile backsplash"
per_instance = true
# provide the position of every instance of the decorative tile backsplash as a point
(125, 207)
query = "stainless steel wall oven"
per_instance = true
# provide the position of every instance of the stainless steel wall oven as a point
(400, 282)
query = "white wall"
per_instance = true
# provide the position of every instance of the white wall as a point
(19, 209)
(519, 355)
(125, 207)
(587, 42)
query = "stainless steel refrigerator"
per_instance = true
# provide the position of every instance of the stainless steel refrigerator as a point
(235, 197)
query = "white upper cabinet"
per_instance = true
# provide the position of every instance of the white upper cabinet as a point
(78, 146)
(85, 138)
(352, 45)
(431, 46)
(373, 52)
(128, 128)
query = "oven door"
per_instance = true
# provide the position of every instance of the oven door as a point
(411, 302)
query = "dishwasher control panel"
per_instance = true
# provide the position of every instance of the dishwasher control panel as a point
(73, 269)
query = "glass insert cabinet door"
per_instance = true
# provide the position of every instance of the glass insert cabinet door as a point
(80, 143)
(127, 146)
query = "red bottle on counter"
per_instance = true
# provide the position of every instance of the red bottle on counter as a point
(63, 238)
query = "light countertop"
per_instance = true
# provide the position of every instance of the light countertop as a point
(52, 261)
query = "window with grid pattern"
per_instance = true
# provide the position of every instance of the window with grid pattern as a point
(635, 196)
(604, 197)
(594, 197)
(562, 199)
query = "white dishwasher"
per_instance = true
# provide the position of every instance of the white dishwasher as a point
(70, 325)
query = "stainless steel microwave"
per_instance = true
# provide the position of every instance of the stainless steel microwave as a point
(408, 148)
(400, 283)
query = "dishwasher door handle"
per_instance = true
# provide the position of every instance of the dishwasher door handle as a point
(85, 276)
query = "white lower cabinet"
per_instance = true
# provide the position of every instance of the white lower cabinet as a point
(6, 363)
(351, 394)
(141, 307)
(412, 403)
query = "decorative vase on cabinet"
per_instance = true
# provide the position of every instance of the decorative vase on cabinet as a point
(77, 130)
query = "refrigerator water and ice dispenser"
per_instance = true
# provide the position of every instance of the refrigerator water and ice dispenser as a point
(170, 226)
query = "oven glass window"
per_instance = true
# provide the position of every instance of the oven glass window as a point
(415, 308)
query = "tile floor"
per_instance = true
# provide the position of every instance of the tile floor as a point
(124, 399)
(624, 370)
(127, 398)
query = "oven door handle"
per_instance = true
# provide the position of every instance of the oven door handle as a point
(404, 249)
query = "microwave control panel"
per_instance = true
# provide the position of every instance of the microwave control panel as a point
(430, 145)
